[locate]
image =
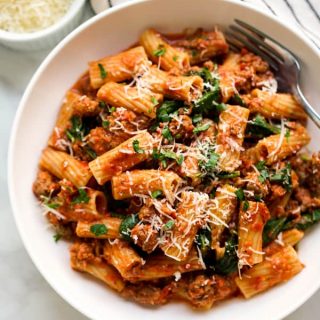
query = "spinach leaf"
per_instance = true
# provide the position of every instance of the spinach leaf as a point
(229, 262)
(306, 221)
(272, 228)
(166, 109)
(258, 127)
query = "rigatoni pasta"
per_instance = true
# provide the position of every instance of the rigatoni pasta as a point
(174, 169)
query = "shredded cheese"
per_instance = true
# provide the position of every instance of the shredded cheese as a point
(25, 16)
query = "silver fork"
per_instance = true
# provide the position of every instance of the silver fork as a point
(284, 63)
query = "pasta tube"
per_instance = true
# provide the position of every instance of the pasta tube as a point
(178, 242)
(121, 255)
(220, 211)
(131, 98)
(85, 229)
(232, 125)
(117, 68)
(65, 166)
(160, 266)
(251, 223)
(185, 88)
(277, 268)
(277, 147)
(122, 157)
(160, 52)
(277, 106)
(98, 269)
(131, 183)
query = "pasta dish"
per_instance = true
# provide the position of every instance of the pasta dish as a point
(174, 170)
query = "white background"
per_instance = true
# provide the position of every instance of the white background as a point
(24, 294)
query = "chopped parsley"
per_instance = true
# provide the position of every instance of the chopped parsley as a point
(166, 109)
(167, 134)
(245, 205)
(240, 194)
(155, 194)
(98, 229)
(169, 225)
(202, 128)
(283, 177)
(127, 225)
(175, 58)
(210, 165)
(163, 155)
(82, 197)
(287, 134)
(197, 118)
(105, 124)
(154, 100)
(76, 132)
(160, 51)
(57, 237)
(103, 72)
(136, 147)
(263, 170)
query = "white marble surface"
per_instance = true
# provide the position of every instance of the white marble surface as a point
(24, 294)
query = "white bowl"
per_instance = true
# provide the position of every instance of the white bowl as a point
(109, 33)
(47, 37)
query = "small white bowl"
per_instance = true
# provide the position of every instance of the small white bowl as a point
(47, 37)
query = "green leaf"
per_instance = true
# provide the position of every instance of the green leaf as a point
(155, 194)
(160, 51)
(211, 164)
(98, 229)
(227, 175)
(76, 132)
(57, 237)
(197, 118)
(105, 124)
(169, 225)
(103, 72)
(202, 128)
(245, 205)
(272, 228)
(53, 205)
(236, 99)
(154, 100)
(90, 152)
(260, 128)
(127, 225)
(203, 240)
(306, 221)
(167, 134)
(82, 197)
(240, 194)
(264, 171)
(175, 58)
(229, 262)
(136, 147)
(163, 155)
(166, 109)
(283, 177)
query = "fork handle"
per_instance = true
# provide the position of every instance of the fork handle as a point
(315, 117)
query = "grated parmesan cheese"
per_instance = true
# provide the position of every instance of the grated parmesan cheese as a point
(24, 16)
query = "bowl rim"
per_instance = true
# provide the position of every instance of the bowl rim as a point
(74, 9)
(13, 136)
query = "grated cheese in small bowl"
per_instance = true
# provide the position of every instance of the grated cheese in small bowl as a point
(38, 24)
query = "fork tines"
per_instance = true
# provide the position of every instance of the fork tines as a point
(244, 35)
